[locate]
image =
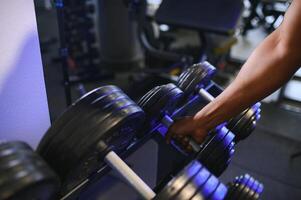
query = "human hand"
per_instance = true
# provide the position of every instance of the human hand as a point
(185, 128)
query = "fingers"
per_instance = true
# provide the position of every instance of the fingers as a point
(183, 142)
(199, 136)
(180, 127)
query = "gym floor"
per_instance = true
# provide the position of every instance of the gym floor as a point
(268, 154)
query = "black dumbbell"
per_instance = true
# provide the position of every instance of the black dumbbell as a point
(24, 175)
(160, 104)
(193, 182)
(196, 78)
(244, 187)
(104, 114)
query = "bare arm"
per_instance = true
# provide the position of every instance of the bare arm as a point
(270, 66)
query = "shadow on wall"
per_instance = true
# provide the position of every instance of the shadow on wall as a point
(24, 111)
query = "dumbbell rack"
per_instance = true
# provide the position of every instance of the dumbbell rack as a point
(105, 169)
(79, 51)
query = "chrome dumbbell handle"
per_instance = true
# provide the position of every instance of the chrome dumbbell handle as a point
(126, 173)
(167, 121)
(206, 95)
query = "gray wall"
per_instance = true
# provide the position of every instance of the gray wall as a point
(24, 111)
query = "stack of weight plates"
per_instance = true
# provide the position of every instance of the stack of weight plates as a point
(24, 175)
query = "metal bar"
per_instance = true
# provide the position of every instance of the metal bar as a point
(115, 162)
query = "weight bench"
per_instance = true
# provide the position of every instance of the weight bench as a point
(214, 16)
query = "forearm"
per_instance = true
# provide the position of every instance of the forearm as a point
(269, 67)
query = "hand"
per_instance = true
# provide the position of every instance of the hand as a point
(184, 129)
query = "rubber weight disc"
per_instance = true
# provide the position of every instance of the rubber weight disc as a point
(159, 101)
(79, 106)
(178, 183)
(196, 76)
(24, 175)
(244, 188)
(243, 124)
(111, 116)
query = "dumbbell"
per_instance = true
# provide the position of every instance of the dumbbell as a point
(244, 187)
(196, 78)
(104, 114)
(160, 103)
(193, 182)
(24, 175)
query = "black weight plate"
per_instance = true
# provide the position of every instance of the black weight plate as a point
(189, 190)
(209, 145)
(241, 186)
(72, 111)
(146, 98)
(76, 146)
(248, 127)
(209, 187)
(229, 157)
(238, 129)
(35, 183)
(258, 192)
(78, 106)
(253, 191)
(199, 180)
(235, 124)
(151, 97)
(220, 149)
(25, 167)
(223, 160)
(19, 173)
(198, 196)
(81, 119)
(231, 188)
(169, 101)
(15, 158)
(220, 192)
(252, 125)
(81, 157)
(88, 119)
(195, 76)
(160, 100)
(174, 186)
(234, 121)
(240, 125)
(113, 117)
(246, 192)
(13, 145)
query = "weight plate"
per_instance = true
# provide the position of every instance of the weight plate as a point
(242, 184)
(219, 193)
(22, 170)
(159, 101)
(193, 185)
(115, 121)
(198, 196)
(244, 188)
(258, 192)
(198, 75)
(210, 144)
(209, 187)
(254, 189)
(174, 186)
(89, 119)
(73, 110)
(13, 146)
(246, 192)
(243, 125)
(222, 162)
(220, 150)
